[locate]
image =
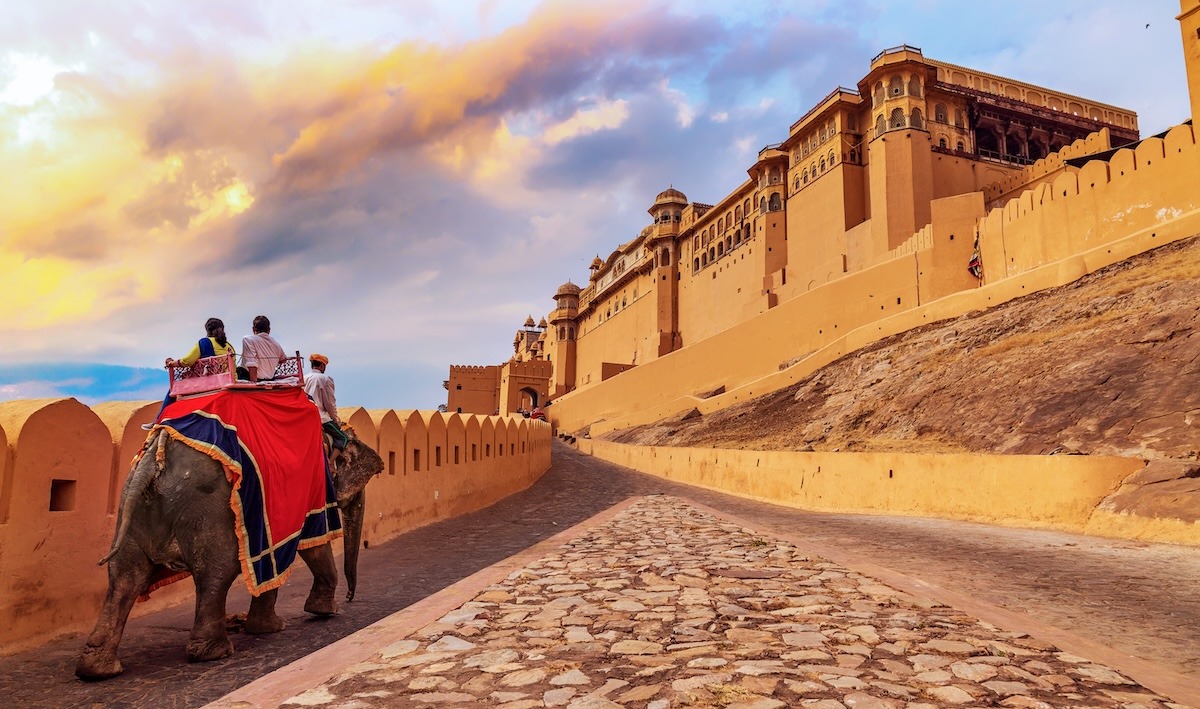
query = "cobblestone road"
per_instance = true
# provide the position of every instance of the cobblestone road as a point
(666, 606)
(1136, 597)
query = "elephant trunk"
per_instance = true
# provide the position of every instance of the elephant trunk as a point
(143, 474)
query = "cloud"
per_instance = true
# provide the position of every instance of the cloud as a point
(395, 184)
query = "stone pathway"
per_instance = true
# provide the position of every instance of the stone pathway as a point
(667, 606)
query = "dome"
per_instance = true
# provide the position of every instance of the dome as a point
(670, 196)
(529, 321)
(567, 288)
(597, 263)
(646, 231)
(542, 337)
(542, 323)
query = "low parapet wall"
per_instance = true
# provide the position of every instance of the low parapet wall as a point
(1052, 492)
(63, 465)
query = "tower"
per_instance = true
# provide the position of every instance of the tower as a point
(899, 149)
(1189, 25)
(564, 320)
(662, 242)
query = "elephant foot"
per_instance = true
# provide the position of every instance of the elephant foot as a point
(206, 650)
(264, 624)
(323, 604)
(95, 665)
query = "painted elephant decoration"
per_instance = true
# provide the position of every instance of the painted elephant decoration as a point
(175, 515)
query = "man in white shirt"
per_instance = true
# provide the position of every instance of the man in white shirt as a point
(319, 387)
(260, 352)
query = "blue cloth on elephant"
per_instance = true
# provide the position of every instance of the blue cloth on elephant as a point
(269, 442)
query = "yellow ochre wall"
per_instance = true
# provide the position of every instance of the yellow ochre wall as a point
(62, 466)
(1054, 492)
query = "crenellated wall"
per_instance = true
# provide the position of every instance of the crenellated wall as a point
(62, 467)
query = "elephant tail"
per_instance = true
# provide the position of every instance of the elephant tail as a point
(143, 474)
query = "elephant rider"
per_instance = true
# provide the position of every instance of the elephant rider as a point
(261, 354)
(213, 344)
(319, 387)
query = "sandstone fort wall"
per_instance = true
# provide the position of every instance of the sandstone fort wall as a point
(63, 466)
(1047, 236)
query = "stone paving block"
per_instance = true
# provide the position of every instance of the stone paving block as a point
(686, 610)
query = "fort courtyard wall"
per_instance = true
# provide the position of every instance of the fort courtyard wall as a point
(63, 466)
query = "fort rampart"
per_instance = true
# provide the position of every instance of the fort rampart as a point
(1065, 493)
(1113, 208)
(64, 465)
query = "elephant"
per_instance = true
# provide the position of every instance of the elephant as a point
(175, 514)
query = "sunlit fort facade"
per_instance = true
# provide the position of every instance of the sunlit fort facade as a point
(908, 163)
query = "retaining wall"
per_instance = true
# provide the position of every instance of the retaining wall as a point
(63, 465)
(1052, 492)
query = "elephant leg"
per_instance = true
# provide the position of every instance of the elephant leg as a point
(353, 511)
(262, 618)
(209, 639)
(128, 576)
(322, 599)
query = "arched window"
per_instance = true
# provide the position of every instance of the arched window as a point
(720, 248)
(897, 118)
(695, 265)
(796, 184)
(737, 238)
(916, 121)
(806, 176)
(960, 147)
(728, 243)
(776, 203)
(704, 259)
(762, 205)
(678, 216)
(880, 125)
(562, 332)
(958, 118)
(712, 254)
(832, 158)
(666, 257)
(878, 96)
(942, 142)
(696, 243)
(896, 86)
(737, 213)
(720, 225)
(939, 113)
(853, 156)
(822, 163)
(813, 169)
(746, 207)
(914, 85)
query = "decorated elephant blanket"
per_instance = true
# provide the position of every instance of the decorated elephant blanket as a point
(269, 442)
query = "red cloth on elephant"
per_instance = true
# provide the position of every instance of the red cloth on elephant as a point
(269, 442)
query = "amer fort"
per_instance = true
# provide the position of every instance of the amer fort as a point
(544, 541)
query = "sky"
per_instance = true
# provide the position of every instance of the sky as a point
(398, 184)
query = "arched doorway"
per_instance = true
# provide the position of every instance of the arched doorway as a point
(529, 398)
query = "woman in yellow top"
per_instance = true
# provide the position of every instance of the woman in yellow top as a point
(211, 346)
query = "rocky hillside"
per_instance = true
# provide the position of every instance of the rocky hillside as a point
(1109, 364)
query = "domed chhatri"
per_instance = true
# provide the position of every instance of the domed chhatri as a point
(671, 196)
(567, 288)
(529, 322)
(542, 324)
(597, 262)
